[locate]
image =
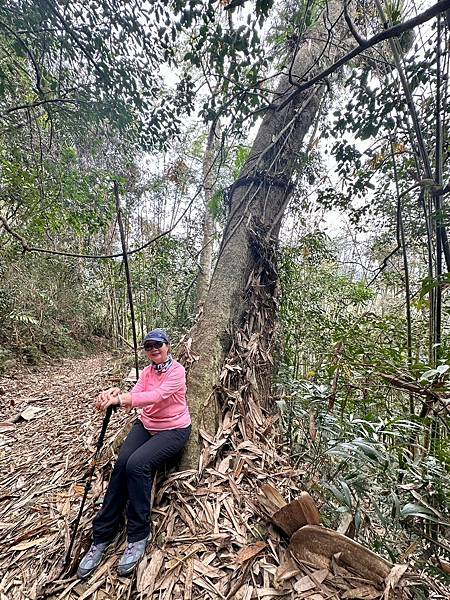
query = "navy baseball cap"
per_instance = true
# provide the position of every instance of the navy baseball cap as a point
(157, 335)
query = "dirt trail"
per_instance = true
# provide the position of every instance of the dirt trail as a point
(42, 463)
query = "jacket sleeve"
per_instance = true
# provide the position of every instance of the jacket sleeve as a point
(174, 382)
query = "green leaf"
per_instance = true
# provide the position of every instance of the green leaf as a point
(441, 369)
(417, 510)
(215, 205)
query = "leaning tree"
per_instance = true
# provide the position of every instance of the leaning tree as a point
(231, 343)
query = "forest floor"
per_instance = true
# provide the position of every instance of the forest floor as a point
(211, 538)
(43, 458)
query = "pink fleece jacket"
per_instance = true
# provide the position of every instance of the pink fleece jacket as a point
(162, 398)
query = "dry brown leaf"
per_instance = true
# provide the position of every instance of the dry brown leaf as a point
(273, 495)
(32, 412)
(304, 584)
(204, 569)
(287, 570)
(205, 491)
(189, 573)
(90, 590)
(268, 592)
(320, 575)
(99, 573)
(363, 592)
(240, 594)
(250, 551)
(309, 582)
(224, 465)
(29, 544)
(393, 578)
(20, 483)
(6, 426)
(147, 578)
(78, 489)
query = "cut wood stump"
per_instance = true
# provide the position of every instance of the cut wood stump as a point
(317, 546)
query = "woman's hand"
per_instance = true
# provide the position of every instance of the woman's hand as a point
(110, 397)
(107, 398)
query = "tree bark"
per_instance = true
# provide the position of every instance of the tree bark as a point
(257, 201)
(209, 179)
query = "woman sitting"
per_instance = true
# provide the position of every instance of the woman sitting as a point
(160, 433)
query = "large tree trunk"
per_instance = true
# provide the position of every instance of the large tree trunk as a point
(257, 203)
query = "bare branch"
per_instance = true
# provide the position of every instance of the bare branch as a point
(42, 103)
(391, 32)
(361, 41)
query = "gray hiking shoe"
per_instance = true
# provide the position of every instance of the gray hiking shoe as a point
(132, 555)
(92, 559)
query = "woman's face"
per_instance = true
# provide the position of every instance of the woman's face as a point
(157, 351)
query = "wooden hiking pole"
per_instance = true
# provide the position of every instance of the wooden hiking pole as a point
(87, 485)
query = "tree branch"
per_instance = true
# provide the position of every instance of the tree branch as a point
(43, 103)
(74, 38)
(387, 34)
(29, 54)
(361, 41)
(27, 248)
(415, 388)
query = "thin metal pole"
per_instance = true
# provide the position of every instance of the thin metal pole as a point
(127, 274)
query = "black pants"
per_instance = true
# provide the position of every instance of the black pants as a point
(131, 480)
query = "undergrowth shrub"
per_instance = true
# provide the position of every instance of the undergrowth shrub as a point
(373, 468)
